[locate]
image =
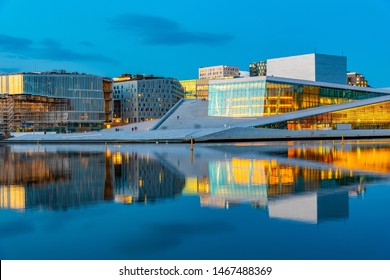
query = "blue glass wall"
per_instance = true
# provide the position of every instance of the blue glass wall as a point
(237, 99)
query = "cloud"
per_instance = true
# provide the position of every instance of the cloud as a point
(54, 50)
(87, 44)
(156, 30)
(50, 43)
(9, 70)
(48, 49)
(11, 44)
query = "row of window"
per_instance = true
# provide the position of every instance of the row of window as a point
(146, 84)
(134, 91)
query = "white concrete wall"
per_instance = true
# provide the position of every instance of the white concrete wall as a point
(301, 67)
(310, 67)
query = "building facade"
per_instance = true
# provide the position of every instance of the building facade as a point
(189, 87)
(258, 68)
(57, 101)
(310, 67)
(144, 98)
(108, 85)
(27, 112)
(5, 115)
(268, 96)
(357, 79)
(217, 72)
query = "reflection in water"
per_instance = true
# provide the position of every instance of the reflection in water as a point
(143, 179)
(302, 183)
(270, 184)
(374, 159)
(235, 181)
(311, 207)
(58, 180)
(31, 179)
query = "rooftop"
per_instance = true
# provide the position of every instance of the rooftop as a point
(137, 77)
(304, 82)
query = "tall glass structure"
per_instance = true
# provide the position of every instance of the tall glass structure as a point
(80, 96)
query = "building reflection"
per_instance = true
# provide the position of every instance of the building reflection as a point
(35, 179)
(368, 158)
(59, 180)
(309, 184)
(290, 184)
(140, 178)
(311, 207)
(255, 181)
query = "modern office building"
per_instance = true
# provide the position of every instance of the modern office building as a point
(310, 67)
(218, 72)
(57, 101)
(29, 112)
(357, 79)
(144, 98)
(258, 68)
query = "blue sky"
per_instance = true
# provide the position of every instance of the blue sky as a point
(174, 38)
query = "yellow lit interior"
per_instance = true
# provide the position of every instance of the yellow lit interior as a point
(12, 197)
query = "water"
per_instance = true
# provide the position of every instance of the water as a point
(293, 200)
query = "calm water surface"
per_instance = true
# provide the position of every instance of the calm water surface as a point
(298, 200)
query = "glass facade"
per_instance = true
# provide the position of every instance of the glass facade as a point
(87, 107)
(258, 97)
(243, 99)
(375, 116)
(189, 88)
(31, 113)
(202, 89)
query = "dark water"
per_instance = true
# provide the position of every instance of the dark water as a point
(298, 200)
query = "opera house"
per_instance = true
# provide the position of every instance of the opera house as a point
(301, 97)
